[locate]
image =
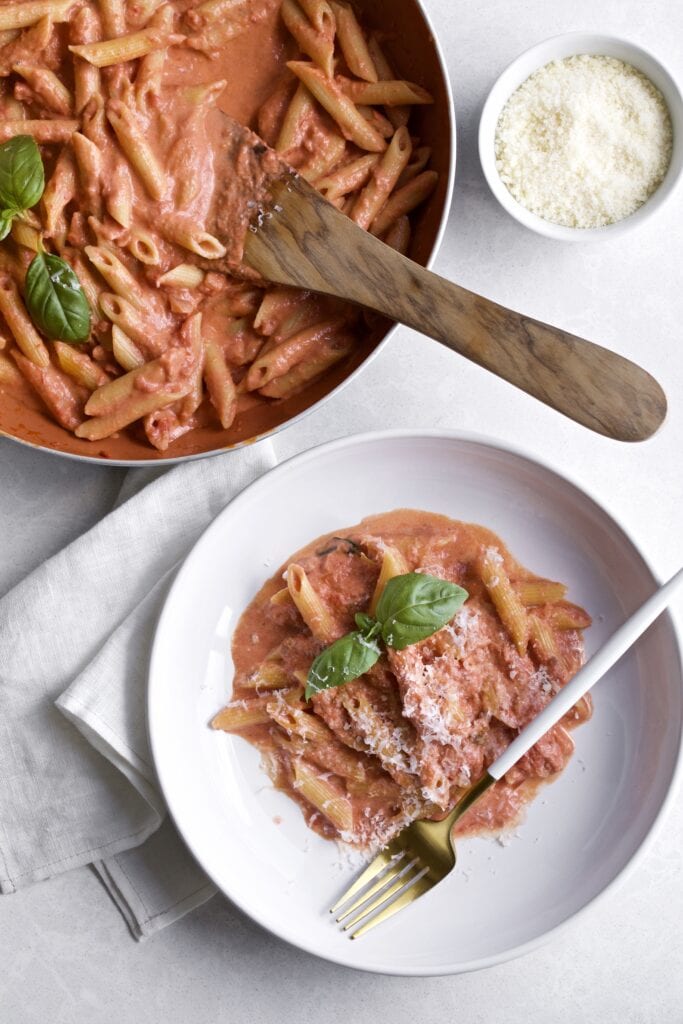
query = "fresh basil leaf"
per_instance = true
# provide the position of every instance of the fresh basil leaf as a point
(369, 627)
(6, 218)
(414, 606)
(344, 660)
(55, 299)
(22, 177)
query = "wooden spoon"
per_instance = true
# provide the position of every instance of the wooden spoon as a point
(298, 238)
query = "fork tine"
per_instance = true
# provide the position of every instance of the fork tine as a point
(397, 869)
(410, 892)
(387, 891)
(380, 864)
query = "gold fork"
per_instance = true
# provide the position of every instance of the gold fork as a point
(423, 854)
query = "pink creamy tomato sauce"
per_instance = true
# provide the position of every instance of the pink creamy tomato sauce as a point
(406, 740)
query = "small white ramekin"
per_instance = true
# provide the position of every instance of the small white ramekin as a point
(557, 48)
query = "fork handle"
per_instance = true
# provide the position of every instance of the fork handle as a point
(593, 670)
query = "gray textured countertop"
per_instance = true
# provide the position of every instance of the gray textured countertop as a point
(66, 954)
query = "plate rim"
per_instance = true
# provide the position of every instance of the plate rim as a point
(449, 435)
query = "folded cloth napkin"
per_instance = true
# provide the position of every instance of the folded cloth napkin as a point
(77, 784)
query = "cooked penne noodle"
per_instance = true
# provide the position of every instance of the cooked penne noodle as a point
(136, 148)
(9, 373)
(569, 616)
(143, 245)
(28, 12)
(242, 714)
(56, 390)
(90, 286)
(379, 122)
(132, 408)
(294, 124)
(184, 275)
(404, 201)
(274, 307)
(348, 178)
(542, 637)
(220, 384)
(84, 27)
(324, 158)
(117, 276)
(418, 161)
(48, 87)
(387, 94)
(184, 231)
(26, 235)
(149, 76)
(113, 13)
(398, 235)
(535, 592)
(89, 160)
(81, 367)
(338, 105)
(289, 352)
(119, 195)
(281, 597)
(131, 320)
(316, 40)
(352, 42)
(123, 48)
(268, 676)
(310, 606)
(6, 37)
(126, 353)
(335, 807)
(397, 115)
(317, 11)
(382, 179)
(42, 131)
(19, 322)
(303, 373)
(393, 564)
(511, 611)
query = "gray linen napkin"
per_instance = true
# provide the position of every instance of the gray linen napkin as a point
(77, 785)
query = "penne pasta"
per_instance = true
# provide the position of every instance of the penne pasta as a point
(535, 592)
(393, 564)
(26, 235)
(220, 384)
(119, 196)
(404, 201)
(297, 113)
(353, 44)
(339, 106)
(85, 28)
(289, 352)
(136, 148)
(113, 14)
(28, 12)
(185, 232)
(149, 77)
(542, 638)
(242, 714)
(269, 676)
(348, 178)
(131, 320)
(123, 48)
(184, 275)
(48, 87)
(89, 161)
(84, 370)
(117, 276)
(126, 353)
(303, 373)
(569, 616)
(143, 246)
(312, 609)
(510, 609)
(335, 807)
(398, 116)
(19, 323)
(387, 94)
(42, 131)
(57, 392)
(132, 408)
(315, 39)
(382, 179)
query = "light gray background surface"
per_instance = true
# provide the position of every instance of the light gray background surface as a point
(65, 953)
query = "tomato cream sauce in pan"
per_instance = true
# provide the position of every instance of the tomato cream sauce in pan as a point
(405, 740)
(249, 74)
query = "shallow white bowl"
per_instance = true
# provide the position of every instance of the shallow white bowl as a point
(557, 48)
(582, 831)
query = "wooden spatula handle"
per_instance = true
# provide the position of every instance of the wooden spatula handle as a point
(322, 250)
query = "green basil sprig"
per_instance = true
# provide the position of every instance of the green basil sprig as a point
(55, 299)
(22, 179)
(411, 608)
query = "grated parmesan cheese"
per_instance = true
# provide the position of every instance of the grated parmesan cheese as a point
(584, 141)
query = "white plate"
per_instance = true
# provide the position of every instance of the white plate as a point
(581, 832)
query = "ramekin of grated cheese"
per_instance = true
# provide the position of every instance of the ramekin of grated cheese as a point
(581, 138)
